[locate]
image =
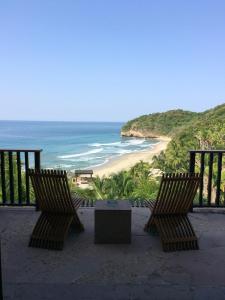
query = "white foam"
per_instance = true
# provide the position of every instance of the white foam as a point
(127, 143)
(63, 166)
(83, 159)
(146, 146)
(105, 144)
(135, 142)
(123, 151)
(94, 166)
(81, 154)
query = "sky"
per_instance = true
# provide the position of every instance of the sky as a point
(109, 60)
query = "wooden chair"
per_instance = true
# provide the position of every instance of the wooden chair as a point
(58, 209)
(169, 212)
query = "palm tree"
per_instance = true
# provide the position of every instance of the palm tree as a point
(98, 185)
(121, 185)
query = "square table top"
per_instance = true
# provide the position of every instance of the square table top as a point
(112, 205)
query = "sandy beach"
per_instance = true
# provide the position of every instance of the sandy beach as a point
(126, 161)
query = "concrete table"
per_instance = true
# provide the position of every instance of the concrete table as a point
(113, 222)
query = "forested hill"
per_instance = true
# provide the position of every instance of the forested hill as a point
(188, 130)
(157, 124)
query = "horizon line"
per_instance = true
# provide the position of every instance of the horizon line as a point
(7, 120)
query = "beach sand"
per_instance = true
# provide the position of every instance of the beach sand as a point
(126, 161)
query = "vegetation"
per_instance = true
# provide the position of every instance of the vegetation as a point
(160, 123)
(206, 132)
(137, 183)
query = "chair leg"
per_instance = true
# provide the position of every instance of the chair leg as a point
(50, 231)
(176, 233)
(76, 223)
(150, 226)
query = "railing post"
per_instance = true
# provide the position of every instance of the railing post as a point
(19, 177)
(3, 177)
(37, 165)
(202, 170)
(192, 162)
(218, 181)
(11, 177)
(192, 169)
(37, 160)
(211, 155)
(27, 182)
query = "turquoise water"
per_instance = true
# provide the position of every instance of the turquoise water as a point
(70, 145)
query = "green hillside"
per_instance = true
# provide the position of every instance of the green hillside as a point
(166, 123)
(188, 130)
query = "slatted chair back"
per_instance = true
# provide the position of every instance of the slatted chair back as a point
(52, 191)
(176, 193)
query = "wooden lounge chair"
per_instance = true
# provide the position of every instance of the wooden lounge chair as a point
(169, 212)
(58, 209)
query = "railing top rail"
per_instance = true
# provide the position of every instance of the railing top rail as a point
(20, 150)
(207, 151)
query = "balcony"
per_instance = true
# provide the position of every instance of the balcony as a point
(84, 270)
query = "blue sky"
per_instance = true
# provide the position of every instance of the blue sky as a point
(109, 60)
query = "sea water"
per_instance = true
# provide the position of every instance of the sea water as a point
(71, 145)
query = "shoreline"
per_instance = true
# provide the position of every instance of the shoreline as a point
(126, 161)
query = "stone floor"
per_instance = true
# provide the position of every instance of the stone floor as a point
(84, 270)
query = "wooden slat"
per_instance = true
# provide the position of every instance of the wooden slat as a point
(162, 194)
(171, 197)
(59, 200)
(150, 204)
(77, 202)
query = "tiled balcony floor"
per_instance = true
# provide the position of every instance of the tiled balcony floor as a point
(84, 270)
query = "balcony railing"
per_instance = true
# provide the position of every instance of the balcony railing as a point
(15, 187)
(209, 163)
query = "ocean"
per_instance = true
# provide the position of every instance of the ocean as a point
(71, 145)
